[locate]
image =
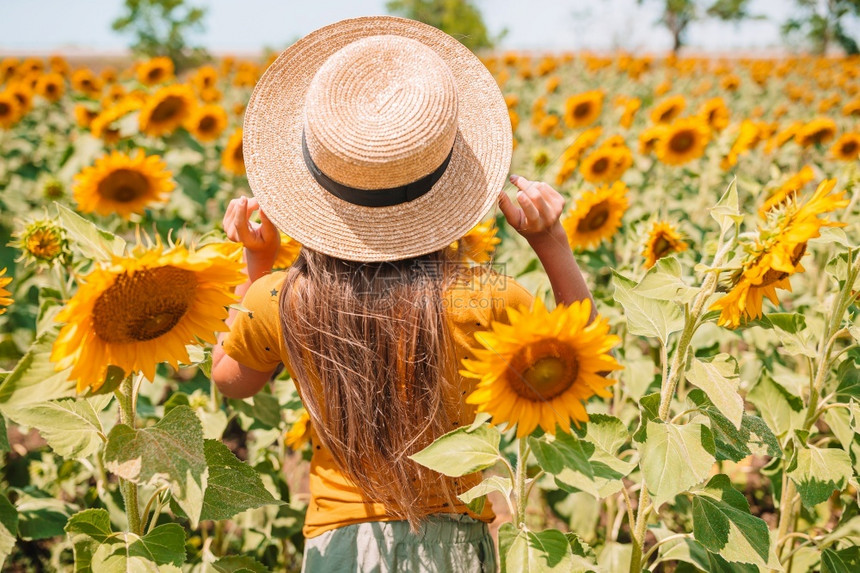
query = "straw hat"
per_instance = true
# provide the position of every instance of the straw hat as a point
(376, 139)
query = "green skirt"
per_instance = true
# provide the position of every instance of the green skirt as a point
(445, 543)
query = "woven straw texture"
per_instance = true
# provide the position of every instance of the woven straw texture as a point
(380, 99)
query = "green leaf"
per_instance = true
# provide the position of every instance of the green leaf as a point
(782, 411)
(129, 553)
(507, 535)
(4, 438)
(674, 458)
(90, 240)
(462, 452)
(719, 380)
(790, 322)
(818, 472)
(500, 484)
(561, 452)
(88, 529)
(263, 410)
(233, 486)
(41, 517)
(848, 375)
(663, 282)
(726, 212)
(70, 426)
(238, 563)
(844, 561)
(723, 524)
(8, 527)
(543, 552)
(649, 409)
(753, 437)
(34, 378)
(646, 316)
(170, 451)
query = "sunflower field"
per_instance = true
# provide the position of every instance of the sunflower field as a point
(707, 420)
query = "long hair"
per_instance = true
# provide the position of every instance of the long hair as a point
(370, 347)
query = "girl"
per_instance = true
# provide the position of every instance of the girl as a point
(377, 142)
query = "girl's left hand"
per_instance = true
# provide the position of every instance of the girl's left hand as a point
(537, 215)
(261, 240)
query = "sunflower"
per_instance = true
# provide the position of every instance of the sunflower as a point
(852, 107)
(108, 75)
(596, 215)
(51, 86)
(818, 131)
(143, 309)
(155, 71)
(631, 106)
(115, 94)
(211, 95)
(232, 159)
(122, 184)
(23, 96)
(715, 113)
(204, 78)
(847, 147)
(649, 137)
(5, 295)
(166, 109)
(9, 66)
(730, 82)
(207, 122)
(300, 432)
(43, 242)
(288, 252)
(606, 164)
(776, 255)
(9, 110)
(571, 156)
(86, 82)
(540, 369)
(478, 244)
(791, 186)
(747, 139)
(84, 116)
(783, 136)
(668, 109)
(104, 124)
(683, 141)
(663, 239)
(583, 109)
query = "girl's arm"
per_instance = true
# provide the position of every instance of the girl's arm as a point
(537, 219)
(261, 241)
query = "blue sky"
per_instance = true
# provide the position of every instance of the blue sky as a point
(248, 25)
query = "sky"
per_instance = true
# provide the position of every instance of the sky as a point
(249, 25)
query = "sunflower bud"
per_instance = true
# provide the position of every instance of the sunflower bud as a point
(43, 242)
(53, 189)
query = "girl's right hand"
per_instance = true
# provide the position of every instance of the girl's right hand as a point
(539, 210)
(261, 240)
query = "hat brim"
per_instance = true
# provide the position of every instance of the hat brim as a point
(307, 212)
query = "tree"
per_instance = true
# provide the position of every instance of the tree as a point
(161, 28)
(824, 21)
(679, 14)
(459, 18)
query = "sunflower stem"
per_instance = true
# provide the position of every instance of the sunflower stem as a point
(638, 532)
(522, 454)
(125, 397)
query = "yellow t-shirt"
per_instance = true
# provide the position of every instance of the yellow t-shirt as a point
(255, 341)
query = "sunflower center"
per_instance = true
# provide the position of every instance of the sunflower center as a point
(595, 218)
(662, 247)
(238, 155)
(600, 166)
(207, 124)
(774, 275)
(143, 305)
(167, 109)
(821, 135)
(681, 142)
(43, 245)
(849, 148)
(581, 110)
(154, 74)
(123, 185)
(5, 109)
(668, 114)
(542, 370)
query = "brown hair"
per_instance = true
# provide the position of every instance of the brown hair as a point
(370, 347)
